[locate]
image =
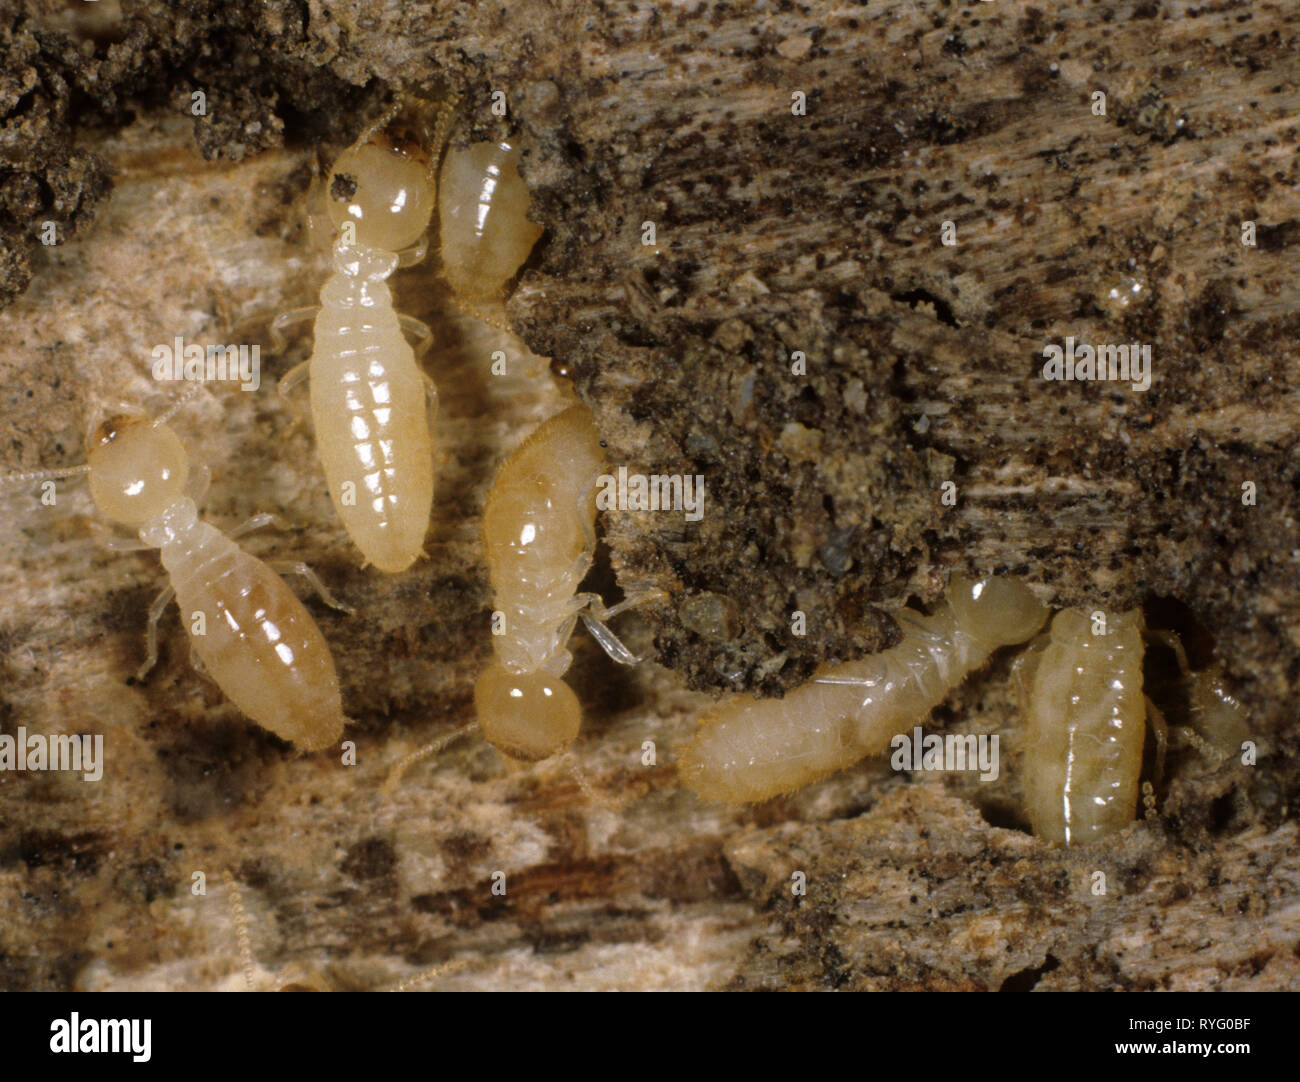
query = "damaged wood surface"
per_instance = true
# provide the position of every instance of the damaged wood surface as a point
(774, 233)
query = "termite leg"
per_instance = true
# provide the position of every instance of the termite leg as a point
(290, 380)
(596, 605)
(432, 748)
(431, 407)
(1171, 641)
(114, 542)
(287, 319)
(320, 230)
(196, 663)
(156, 611)
(1160, 728)
(257, 522)
(1023, 670)
(594, 614)
(297, 567)
(419, 331)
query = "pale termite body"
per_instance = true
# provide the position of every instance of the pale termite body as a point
(372, 407)
(539, 533)
(751, 749)
(1085, 728)
(483, 224)
(368, 404)
(246, 627)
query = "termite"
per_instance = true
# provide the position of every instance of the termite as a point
(483, 223)
(1085, 728)
(372, 407)
(1087, 718)
(258, 642)
(540, 537)
(751, 749)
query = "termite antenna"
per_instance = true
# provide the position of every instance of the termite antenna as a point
(1170, 641)
(42, 475)
(182, 400)
(407, 761)
(376, 126)
(241, 928)
(1149, 811)
(444, 970)
(441, 131)
(584, 783)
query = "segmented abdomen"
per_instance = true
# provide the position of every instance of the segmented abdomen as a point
(260, 644)
(1086, 725)
(539, 532)
(372, 431)
(752, 750)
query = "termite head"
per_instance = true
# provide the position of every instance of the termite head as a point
(998, 609)
(383, 188)
(527, 716)
(137, 469)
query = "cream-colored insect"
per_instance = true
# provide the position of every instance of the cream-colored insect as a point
(539, 529)
(1085, 728)
(752, 749)
(372, 407)
(1086, 723)
(539, 533)
(483, 224)
(259, 643)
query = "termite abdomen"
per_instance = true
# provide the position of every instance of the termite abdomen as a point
(1085, 729)
(483, 219)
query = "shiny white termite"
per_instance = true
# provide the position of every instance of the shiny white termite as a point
(539, 533)
(1086, 720)
(751, 749)
(1085, 729)
(372, 407)
(484, 230)
(259, 643)
(539, 529)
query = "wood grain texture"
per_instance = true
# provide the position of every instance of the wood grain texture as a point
(775, 233)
